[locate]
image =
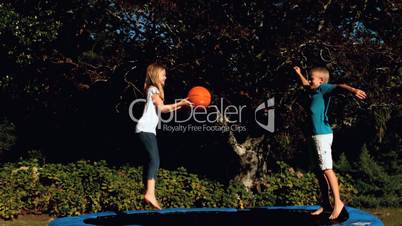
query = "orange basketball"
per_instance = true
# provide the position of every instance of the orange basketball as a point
(199, 96)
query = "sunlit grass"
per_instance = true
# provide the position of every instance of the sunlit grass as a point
(389, 216)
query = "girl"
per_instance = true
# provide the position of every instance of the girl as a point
(146, 126)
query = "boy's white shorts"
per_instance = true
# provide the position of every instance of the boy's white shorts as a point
(322, 144)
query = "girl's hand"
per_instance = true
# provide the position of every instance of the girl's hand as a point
(360, 94)
(297, 69)
(185, 102)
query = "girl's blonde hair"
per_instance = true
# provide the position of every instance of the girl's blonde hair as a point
(152, 78)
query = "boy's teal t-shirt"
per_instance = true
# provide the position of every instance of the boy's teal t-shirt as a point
(318, 109)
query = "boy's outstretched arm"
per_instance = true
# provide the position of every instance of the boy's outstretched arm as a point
(357, 92)
(303, 80)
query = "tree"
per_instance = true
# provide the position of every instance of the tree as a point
(72, 65)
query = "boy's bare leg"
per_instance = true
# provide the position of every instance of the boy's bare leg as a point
(323, 183)
(150, 194)
(333, 183)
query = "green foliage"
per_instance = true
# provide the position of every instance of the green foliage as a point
(243, 51)
(292, 187)
(7, 136)
(22, 36)
(237, 196)
(374, 182)
(376, 187)
(343, 164)
(387, 152)
(91, 187)
(381, 118)
(181, 189)
(76, 188)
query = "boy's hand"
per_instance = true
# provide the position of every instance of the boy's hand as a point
(303, 80)
(297, 69)
(360, 94)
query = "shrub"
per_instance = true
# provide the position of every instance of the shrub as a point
(82, 187)
(7, 136)
(376, 186)
(293, 187)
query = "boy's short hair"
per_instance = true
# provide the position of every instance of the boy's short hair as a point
(323, 72)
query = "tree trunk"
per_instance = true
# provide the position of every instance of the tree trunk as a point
(251, 154)
(250, 158)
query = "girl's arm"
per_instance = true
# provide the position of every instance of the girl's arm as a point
(156, 99)
(303, 80)
(357, 92)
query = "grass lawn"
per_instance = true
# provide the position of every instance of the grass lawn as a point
(28, 220)
(390, 217)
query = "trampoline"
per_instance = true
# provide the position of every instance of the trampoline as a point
(264, 216)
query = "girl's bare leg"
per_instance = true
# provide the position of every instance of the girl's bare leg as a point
(149, 196)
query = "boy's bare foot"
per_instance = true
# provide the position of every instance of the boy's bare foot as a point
(337, 210)
(152, 201)
(318, 211)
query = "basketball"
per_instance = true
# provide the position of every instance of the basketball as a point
(199, 96)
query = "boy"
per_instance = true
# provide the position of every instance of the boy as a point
(322, 134)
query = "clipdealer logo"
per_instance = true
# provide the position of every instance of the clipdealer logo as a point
(269, 112)
(211, 115)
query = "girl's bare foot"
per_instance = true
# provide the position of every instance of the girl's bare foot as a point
(152, 201)
(318, 211)
(337, 210)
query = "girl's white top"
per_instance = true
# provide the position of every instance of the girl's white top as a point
(149, 119)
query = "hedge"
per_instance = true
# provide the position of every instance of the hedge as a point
(82, 187)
